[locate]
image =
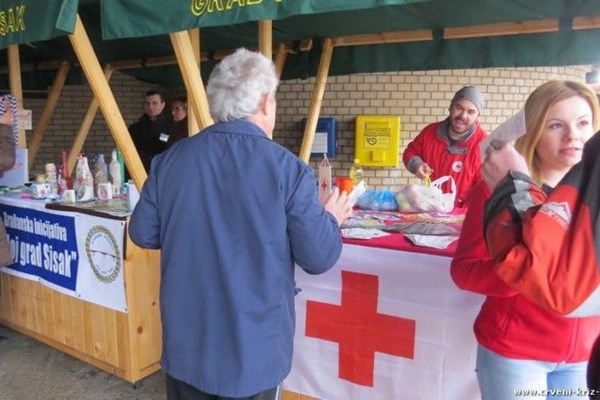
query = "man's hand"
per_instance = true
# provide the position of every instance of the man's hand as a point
(423, 170)
(339, 205)
(500, 158)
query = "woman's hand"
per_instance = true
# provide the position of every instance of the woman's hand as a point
(8, 118)
(501, 158)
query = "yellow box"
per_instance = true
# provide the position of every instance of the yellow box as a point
(377, 140)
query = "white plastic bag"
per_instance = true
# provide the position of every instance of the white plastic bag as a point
(427, 198)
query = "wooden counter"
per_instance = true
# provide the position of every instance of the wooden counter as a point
(125, 344)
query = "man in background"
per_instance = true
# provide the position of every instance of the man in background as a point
(451, 147)
(233, 213)
(150, 132)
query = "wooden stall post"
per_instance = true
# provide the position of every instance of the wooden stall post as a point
(16, 87)
(316, 101)
(280, 57)
(193, 126)
(191, 77)
(265, 38)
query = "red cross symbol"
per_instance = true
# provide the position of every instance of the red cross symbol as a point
(324, 186)
(359, 329)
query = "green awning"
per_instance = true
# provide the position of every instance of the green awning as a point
(23, 21)
(136, 18)
(300, 22)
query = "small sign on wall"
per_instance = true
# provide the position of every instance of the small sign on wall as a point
(325, 140)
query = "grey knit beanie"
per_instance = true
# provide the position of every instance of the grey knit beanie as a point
(470, 93)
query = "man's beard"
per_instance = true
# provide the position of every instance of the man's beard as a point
(453, 127)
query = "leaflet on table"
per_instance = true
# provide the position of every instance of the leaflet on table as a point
(362, 233)
(436, 242)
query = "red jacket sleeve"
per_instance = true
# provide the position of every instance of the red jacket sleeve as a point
(472, 267)
(547, 253)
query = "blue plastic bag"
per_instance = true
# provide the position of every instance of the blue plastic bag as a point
(378, 200)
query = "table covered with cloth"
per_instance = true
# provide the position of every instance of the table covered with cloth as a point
(386, 322)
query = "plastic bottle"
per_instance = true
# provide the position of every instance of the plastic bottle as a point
(356, 172)
(114, 168)
(84, 181)
(100, 173)
(100, 170)
(51, 177)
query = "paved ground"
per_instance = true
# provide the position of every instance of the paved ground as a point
(30, 370)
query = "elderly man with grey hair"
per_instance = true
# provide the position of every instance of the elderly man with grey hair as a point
(451, 147)
(233, 212)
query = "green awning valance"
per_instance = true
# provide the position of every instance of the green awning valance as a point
(28, 21)
(136, 18)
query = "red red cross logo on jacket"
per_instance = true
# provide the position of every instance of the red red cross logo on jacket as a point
(359, 329)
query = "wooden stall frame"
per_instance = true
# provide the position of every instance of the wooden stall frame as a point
(134, 354)
(127, 345)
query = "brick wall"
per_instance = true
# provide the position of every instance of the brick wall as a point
(419, 98)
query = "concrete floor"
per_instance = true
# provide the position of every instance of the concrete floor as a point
(30, 370)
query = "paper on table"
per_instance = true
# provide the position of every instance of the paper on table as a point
(361, 233)
(508, 131)
(436, 242)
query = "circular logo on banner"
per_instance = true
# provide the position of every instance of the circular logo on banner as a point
(457, 166)
(103, 254)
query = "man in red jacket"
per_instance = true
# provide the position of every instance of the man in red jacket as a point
(451, 147)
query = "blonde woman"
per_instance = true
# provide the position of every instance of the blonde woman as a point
(523, 348)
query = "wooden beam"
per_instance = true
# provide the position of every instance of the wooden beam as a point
(265, 38)
(86, 124)
(191, 77)
(280, 57)
(384, 37)
(42, 124)
(504, 29)
(193, 126)
(16, 87)
(586, 22)
(316, 100)
(148, 62)
(91, 67)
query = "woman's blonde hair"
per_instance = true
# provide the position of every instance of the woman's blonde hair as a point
(536, 111)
